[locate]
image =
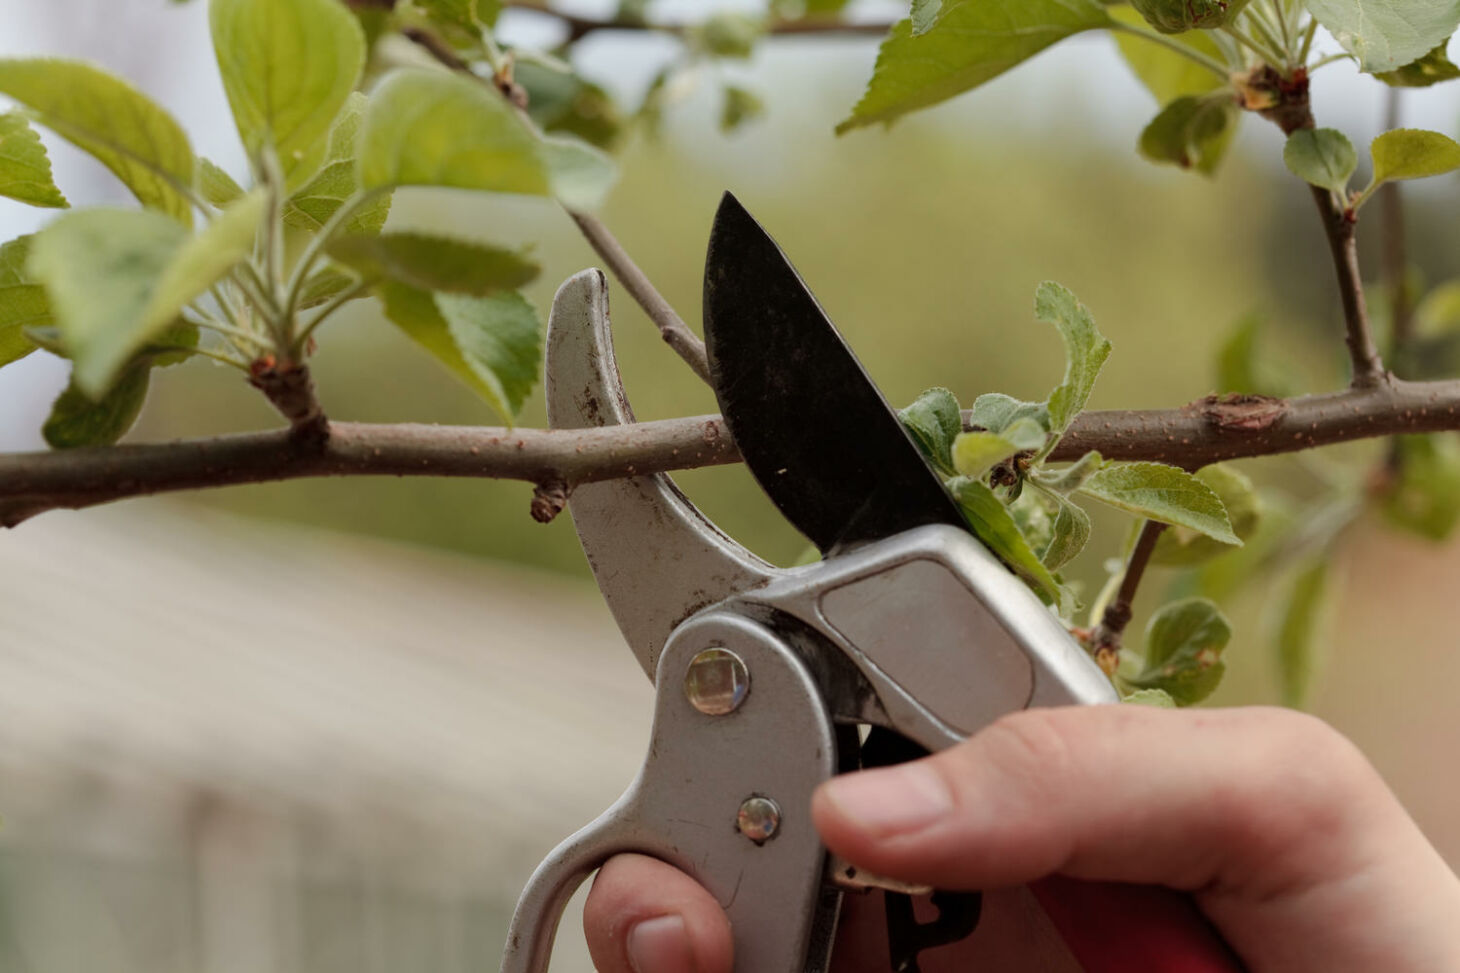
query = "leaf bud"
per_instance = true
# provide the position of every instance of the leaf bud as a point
(1175, 16)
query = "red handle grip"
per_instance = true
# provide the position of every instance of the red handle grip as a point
(1118, 928)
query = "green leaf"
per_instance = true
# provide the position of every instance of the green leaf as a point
(1432, 68)
(1389, 34)
(435, 263)
(216, 185)
(25, 169)
(1412, 153)
(728, 34)
(972, 41)
(1072, 477)
(1184, 546)
(23, 301)
(1323, 157)
(1191, 132)
(124, 129)
(118, 278)
(312, 206)
(740, 105)
(429, 128)
(560, 101)
(287, 66)
(993, 524)
(975, 453)
(78, 420)
(1165, 73)
(1085, 351)
(1296, 633)
(462, 15)
(933, 421)
(1071, 532)
(1158, 698)
(493, 344)
(323, 285)
(1176, 16)
(1184, 643)
(1424, 498)
(996, 412)
(1163, 493)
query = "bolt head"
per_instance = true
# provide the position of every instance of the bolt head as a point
(716, 682)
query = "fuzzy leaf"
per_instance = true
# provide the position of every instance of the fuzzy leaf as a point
(996, 412)
(1085, 351)
(435, 263)
(493, 344)
(924, 15)
(1178, 16)
(933, 421)
(1072, 477)
(1158, 698)
(993, 524)
(287, 66)
(23, 301)
(1163, 493)
(25, 168)
(1433, 68)
(78, 420)
(1184, 643)
(1069, 535)
(1297, 631)
(1388, 34)
(428, 128)
(312, 206)
(969, 42)
(728, 34)
(124, 129)
(1412, 153)
(1322, 157)
(560, 101)
(740, 105)
(323, 285)
(1184, 546)
(1191, 133)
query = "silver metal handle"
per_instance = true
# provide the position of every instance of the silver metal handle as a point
(741, 738)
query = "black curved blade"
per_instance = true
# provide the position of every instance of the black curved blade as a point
(815, 431)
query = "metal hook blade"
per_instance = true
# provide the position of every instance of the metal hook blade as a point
(656, 558)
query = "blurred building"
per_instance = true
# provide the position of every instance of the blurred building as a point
(230, 746)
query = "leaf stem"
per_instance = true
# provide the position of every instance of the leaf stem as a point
(1105, 642)
(1191, 54)
(315, 247)
(1267, 54)
(334, 304)
(1308, 36)
(1269, 34)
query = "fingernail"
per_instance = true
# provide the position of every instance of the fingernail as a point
(660, 945)
(894, 800)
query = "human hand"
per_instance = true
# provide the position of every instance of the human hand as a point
(1288, 839)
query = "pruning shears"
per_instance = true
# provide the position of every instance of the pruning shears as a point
(768, 678)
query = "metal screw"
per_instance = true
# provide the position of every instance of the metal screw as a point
(758, 819)
(716, 682)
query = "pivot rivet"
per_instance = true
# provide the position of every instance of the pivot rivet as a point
(758, 819)
(716, 682)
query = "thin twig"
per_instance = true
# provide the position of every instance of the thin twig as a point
(579, 26)
(671, 326)
(1395, 259)
(675, 332)
(1105, 642)
(1204, 432)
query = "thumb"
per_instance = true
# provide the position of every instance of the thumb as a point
(1294, 846)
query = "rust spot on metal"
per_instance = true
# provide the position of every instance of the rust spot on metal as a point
(1242, 413)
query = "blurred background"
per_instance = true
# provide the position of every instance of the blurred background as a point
(332, 725)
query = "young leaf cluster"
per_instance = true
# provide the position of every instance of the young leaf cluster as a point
(245, 273)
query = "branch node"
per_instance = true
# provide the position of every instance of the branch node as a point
(548, 500)
(290, 388)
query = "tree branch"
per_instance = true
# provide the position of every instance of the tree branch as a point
(1291, 113)
(1192, 436)
(1105, 642)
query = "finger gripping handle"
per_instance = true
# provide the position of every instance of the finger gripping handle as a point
(1113, 927)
